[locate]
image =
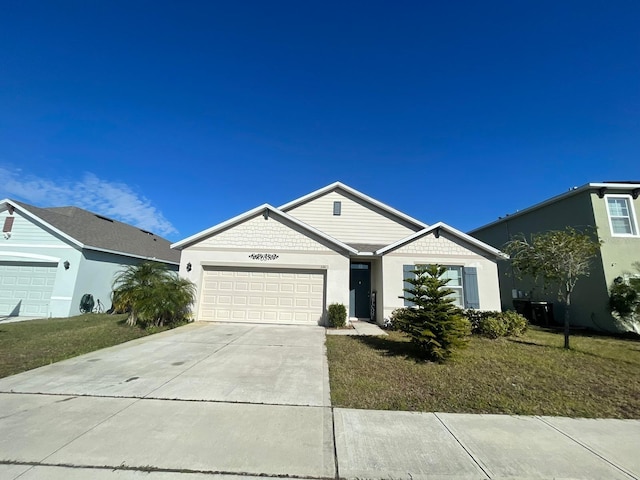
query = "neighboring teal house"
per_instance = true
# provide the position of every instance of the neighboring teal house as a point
(611, 208)
(51, 257)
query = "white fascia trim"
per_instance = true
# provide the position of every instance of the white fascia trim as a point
(124, 254)
(30, 256)
(37, 219)
(357, 194)
(451, 230)
(557, 198)
(251, 213)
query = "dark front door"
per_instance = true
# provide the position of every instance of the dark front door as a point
(360, 290)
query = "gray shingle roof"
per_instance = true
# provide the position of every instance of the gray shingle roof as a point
(102, 233)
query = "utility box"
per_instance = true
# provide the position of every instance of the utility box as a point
(542, 313)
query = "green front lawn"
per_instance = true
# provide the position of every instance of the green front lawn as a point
(531, 375)
(33, 343)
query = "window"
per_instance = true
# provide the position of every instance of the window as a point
(462, 280)
(337, 208)
(621, 215)
(454, 274)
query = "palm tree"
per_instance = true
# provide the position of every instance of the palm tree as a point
(152, 294)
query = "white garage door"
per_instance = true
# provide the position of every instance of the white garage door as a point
(25, 288)
(265, 296)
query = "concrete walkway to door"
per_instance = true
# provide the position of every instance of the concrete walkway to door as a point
(227, 401)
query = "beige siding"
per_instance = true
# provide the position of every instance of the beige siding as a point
(358, 223)
(258, 233)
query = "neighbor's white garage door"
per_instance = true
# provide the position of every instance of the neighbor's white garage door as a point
(25, 288)
(265, 295)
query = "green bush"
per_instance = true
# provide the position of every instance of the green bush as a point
(492, 327)
(516, 323)
(337, 315)
(434, 324)
(494, 324)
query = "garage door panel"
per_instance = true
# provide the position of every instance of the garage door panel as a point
(26, 288)
(269, 295)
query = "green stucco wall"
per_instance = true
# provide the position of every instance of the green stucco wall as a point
(579, 210)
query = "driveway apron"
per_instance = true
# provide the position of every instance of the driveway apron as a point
(227, 399)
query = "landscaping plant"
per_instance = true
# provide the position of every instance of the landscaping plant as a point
(152, 295)
(624, 301)
(558, 258)
(434, 323)
(337, 314)
(492, 324)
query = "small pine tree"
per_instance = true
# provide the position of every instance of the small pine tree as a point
(434, 324)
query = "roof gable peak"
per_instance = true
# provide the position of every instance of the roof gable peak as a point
(359, 195)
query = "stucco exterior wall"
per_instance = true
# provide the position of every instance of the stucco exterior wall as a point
(445, 250)
(589, 303)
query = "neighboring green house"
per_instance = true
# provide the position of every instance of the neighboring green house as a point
(51, 257)
(611, 208)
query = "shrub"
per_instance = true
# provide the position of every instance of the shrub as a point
(516, 324)
(152, 295)
(477, 317)
(337, 315)
(493, 327)
(434, 324)
(494, 324)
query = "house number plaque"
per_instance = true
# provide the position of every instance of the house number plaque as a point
(263, 256)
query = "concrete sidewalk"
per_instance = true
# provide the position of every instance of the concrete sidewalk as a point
(359, 328)
(228, 401)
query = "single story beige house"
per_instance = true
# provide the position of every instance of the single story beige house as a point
(334, 245)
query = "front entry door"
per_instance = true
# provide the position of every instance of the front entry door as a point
(360, 290)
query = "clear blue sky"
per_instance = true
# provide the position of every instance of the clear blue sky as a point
(178, 115)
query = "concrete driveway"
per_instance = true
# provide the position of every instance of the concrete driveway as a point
(227, 401)
(202, 398)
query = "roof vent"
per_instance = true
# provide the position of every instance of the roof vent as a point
(147, 232)
(103, 218)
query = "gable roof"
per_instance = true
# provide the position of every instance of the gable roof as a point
(95, 232)
(632, 187)
(452, 231)
(252, 213)
(365, 198)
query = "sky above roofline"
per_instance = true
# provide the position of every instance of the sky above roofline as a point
(177, 116)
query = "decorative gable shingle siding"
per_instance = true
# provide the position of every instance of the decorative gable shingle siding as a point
(258, 233)
(430, 245)
(477, 266)
(357, 223)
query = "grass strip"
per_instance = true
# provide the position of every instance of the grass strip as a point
(33, 343)
(531, 375)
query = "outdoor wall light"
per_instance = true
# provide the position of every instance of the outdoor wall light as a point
(189, 267)
(66, 264)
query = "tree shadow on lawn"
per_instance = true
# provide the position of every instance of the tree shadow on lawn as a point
(571, 350)
(393, 348)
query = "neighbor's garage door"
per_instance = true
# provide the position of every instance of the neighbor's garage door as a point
(25, 288)
(265, 295)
